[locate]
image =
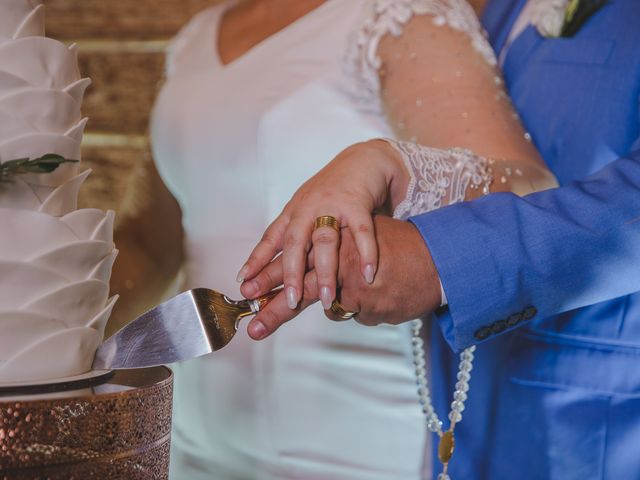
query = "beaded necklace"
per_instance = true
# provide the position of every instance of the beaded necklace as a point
(434, 424)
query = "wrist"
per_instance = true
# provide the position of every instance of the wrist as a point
(427, 272)
(396, 175)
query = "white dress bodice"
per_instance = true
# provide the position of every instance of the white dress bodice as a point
(317, 400)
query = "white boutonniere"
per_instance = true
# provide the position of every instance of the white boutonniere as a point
(562, 18)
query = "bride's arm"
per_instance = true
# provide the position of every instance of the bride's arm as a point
(440, 93)
(436, 90)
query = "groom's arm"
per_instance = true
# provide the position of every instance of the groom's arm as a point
(505, 260)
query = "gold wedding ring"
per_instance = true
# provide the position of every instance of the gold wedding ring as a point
(327, 221)
(341, 312)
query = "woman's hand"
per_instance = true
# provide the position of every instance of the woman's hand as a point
(364, 178)
(406, 286)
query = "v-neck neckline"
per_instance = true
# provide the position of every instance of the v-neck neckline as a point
(262, 43)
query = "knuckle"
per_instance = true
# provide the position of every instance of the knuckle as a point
(263, 281)
(323, 237)
(290, 278)
(271, 320)
(291, 241)
(267, 279)
(268, 239)
(363, 228)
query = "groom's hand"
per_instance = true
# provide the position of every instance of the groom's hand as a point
(406, 286)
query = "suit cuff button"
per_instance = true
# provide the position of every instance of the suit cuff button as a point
(529, 313)
(482, 333)
(499, 326)
(514, 319)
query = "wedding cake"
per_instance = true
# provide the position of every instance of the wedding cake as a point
(55, 260)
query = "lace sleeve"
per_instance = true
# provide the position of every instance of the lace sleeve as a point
(439, 177)
(414, 61)
(389, 17)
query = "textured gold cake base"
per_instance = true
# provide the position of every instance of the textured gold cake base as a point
(120, 429)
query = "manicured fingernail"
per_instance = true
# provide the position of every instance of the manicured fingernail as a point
(292, 297)
(249, 289)
(257, 330)
(369, 273)
(242, 273)
(325, 297)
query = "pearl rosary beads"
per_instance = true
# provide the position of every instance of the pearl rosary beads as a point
(447, 439)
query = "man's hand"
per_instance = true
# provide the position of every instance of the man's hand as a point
(406, 286)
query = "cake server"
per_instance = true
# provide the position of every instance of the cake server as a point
(192, 324)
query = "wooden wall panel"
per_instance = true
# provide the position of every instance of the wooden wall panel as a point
(123, 89)
(112, 167)
(133, 19)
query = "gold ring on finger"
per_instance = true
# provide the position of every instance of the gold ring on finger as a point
(327, 221)
(341, 312)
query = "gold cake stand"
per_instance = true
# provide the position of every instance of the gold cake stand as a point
(114, 426)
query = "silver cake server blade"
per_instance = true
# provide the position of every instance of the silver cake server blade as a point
(189, 325)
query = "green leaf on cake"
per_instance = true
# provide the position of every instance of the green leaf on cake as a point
(44, 164)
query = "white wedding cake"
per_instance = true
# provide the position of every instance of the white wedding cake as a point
(55, 260)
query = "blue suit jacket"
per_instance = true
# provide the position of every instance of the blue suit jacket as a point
(548, 284)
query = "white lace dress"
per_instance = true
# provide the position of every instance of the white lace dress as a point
(318, 400)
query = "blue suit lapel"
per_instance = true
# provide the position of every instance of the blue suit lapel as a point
(498, 19)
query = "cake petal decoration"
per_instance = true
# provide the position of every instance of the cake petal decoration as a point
(33, 24)
(27, 234)
(55, 261)
(73, 304)
(77, 130)
(73, 351)
(18, 194)
(75, 261)
(9, 81)
(99, 322)
(44, 110)
(14, 14)
(64, 199)
(83, 223)
(21, 282)
(22, 325)
(103, 270)
(104, 231)
(77, 89)
(51, 65)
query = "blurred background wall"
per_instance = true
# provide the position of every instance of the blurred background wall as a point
(121, 47)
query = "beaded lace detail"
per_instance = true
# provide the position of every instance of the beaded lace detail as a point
(439, 177)
(383, 17)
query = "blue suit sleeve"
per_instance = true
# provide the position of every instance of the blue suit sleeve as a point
(503, 259)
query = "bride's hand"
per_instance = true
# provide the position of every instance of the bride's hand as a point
(364, 178)
(405, 268)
